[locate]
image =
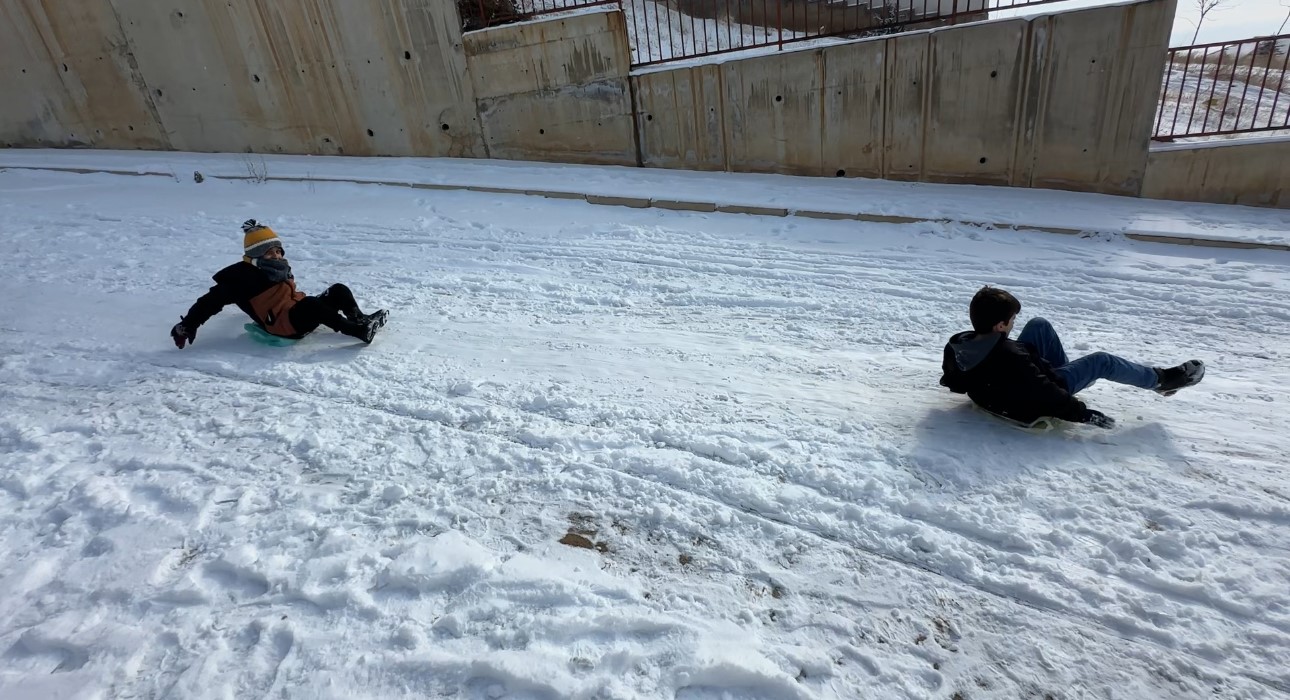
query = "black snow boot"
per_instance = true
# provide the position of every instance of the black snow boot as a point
(1172, 379)
(365, 328)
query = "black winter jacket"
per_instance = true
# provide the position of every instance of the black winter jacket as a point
(265, 301)
(1007, 377)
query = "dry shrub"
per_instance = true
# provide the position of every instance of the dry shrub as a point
(477, 14)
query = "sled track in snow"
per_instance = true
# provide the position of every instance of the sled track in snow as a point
(1090, 625)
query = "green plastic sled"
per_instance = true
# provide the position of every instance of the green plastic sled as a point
(1039, 425)
(264, 337)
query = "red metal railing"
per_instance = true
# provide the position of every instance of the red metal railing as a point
(668, 30)
(1230, 87)
(478, 14)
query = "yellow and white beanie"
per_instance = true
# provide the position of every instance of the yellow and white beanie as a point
(258, 239)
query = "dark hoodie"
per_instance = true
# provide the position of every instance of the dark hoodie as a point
(1006, 377)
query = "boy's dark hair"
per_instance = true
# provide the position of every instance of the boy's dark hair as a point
(991, 306)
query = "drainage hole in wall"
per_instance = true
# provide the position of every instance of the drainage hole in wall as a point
(541, 131)
(842, 173)
(369, 133)
(131, 128)
(158, 91)
(407, 55)
(326, 140)
(649, 117)
(983, 159)
(779, 98)
(994, 74)
(443, 126)
(255, 78)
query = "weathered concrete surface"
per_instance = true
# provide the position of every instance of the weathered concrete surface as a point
(1248, 171)
(555, 90)
(973, 102)
(68, 78)
(904, 105)
(687, 130)
(1062, 101)
(384, 77)
(773, 111)
(310, 76)
(853, 85)
(1098, 74)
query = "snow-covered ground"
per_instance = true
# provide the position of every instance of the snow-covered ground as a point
(1237, 90)
(739, 415)
(990, 206)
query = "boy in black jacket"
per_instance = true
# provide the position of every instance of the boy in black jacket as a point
(1031, 378)
(262, 286)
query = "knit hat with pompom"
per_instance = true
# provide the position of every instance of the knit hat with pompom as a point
(257, 239)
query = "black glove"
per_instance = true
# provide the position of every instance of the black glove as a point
(182, 334)
(1099, 419)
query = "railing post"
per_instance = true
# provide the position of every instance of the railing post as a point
(779, 20)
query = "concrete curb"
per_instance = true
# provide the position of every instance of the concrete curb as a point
(693, 206)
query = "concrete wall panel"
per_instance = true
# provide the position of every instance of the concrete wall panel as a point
(1101, 80)
(313, 76)
(773, 113)
(679, 117)
(977, 72)
(907, 62)
(68, 78)
(556, 90)
(1247, 171)
(854, 77)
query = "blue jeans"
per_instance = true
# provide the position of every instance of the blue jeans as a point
(1082, 373)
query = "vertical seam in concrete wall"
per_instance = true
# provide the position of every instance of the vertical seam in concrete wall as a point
(474, 95)
(1023, 97)
(823, 83)
(1110, 118)
(1019, 107)
(636, 118)
(625, 56)
(137, 74)
(1044, 78)
(725, 137)
(926, 99)
(885, 138)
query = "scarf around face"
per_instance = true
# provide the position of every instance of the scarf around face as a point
(275, 270)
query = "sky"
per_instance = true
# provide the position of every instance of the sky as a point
(1234, 20)
(1239, 19)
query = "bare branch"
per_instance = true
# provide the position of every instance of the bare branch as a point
(1204, 7)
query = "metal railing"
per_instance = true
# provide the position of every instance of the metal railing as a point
(480, 14)
(669, 30)
(1223, 88)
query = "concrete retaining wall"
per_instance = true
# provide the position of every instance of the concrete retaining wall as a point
(1248, 171)
(1062, 101)
(555, 90)
(385, 77)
